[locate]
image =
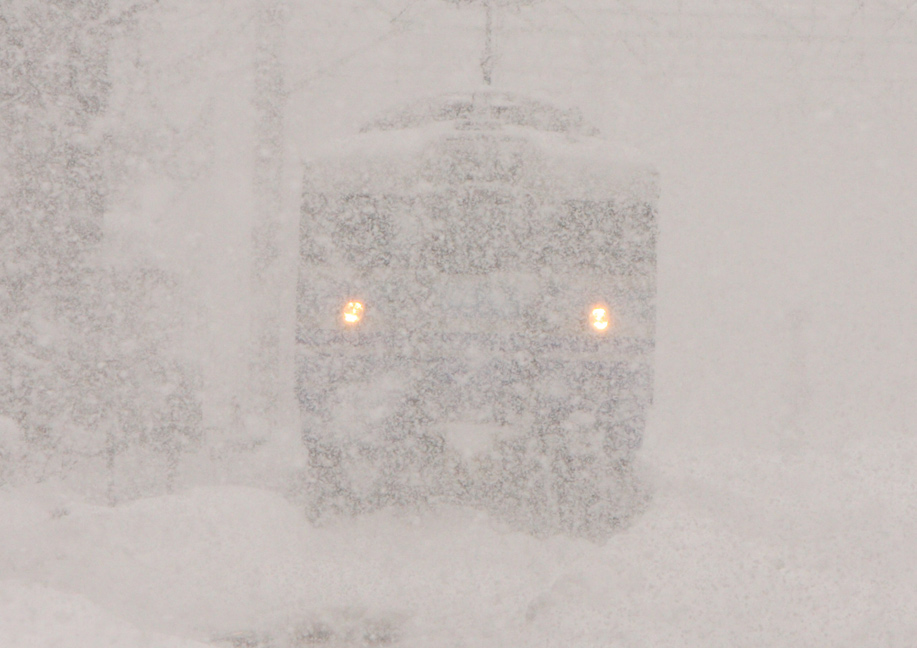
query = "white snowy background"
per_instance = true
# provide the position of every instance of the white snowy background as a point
(783, 437)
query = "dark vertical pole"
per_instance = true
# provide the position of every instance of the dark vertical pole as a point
(487, 60)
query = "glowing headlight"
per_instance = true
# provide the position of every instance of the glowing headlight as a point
(352, 313)
(600, 318)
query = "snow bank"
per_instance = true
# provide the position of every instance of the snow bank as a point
(738, 548)
(215, 562)
(20, 512)
(35, 616)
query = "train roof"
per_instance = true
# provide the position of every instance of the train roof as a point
(497, 108)
(560, 151)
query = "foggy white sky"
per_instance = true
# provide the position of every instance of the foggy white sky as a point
(784, 135)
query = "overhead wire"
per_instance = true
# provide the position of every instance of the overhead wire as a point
(398, 27)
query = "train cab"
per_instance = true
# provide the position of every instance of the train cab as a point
(476, 315)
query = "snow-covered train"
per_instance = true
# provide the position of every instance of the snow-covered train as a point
(476, 315)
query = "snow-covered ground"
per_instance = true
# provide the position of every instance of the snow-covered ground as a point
(35, 616)
(806, 548)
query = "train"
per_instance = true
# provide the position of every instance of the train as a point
(476, 316)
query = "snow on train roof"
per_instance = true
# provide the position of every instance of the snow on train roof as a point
(561, 150)
(497, 107)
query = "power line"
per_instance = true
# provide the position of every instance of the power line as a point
(398, 26)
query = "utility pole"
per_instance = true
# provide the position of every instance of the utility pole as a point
(487, 59)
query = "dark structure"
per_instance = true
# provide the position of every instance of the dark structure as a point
(476, 316)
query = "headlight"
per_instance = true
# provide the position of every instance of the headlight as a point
(600, 318)
(352, 313)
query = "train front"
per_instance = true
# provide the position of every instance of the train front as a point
(476, 316)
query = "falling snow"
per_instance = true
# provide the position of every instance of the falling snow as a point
(197, 448)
